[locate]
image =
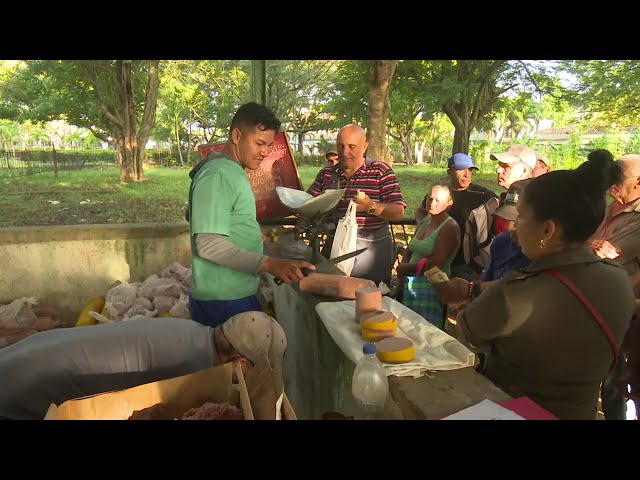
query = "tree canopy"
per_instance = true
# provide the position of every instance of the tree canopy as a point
(115, 99)
(607, 91)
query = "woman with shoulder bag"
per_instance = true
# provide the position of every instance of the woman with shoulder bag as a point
(554, 328)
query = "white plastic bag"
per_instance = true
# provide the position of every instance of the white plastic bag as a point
(345, 238)
(18, 313)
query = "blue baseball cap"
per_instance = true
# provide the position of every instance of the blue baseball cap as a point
(461, 161)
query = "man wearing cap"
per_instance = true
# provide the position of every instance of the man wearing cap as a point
(516, 163)
(505, 253)
(543, 165)
(332, 157)
(466, 196)
(61, 364)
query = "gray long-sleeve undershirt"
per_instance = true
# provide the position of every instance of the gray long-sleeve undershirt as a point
(218, 249)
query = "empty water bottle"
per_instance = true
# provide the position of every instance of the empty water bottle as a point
(369, 385)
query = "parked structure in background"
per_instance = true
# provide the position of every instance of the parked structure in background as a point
(561, 136)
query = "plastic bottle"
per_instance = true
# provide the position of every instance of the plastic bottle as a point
(369, 385)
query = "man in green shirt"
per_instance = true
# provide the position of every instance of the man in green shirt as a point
(226, 241)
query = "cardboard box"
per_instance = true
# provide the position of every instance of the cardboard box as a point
(179, 394)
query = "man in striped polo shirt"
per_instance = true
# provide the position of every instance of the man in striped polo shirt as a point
(382, 201)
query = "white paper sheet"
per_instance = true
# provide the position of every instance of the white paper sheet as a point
(435, 349)
(485, 410)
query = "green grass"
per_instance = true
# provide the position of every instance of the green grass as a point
(25, 201)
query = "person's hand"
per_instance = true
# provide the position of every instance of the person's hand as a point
(454, 291)
(286, 270)
(363, 203)
(604, 249)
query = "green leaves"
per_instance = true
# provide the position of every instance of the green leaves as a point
(606, 90)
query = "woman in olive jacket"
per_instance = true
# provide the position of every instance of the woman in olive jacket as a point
(554, 328)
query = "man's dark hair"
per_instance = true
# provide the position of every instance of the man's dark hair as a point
(253, 114)
(575, 198)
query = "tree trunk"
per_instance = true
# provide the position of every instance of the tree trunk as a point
(406, 150)
(130, 141)
(55, 162)
(423, 146)
(467, 111)
(380, 74)
(461, 140)
(119, 145)
(149, 114)
(433, 143)
(176, 125)
(188, 143)
(300, 135)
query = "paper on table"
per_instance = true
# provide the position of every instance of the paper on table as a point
(435, 349)
(485, 410)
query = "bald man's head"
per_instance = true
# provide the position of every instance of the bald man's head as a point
(352, 144)
(630, 164)
(628, 189)
(353, 129)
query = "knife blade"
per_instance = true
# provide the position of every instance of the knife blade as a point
(332, 261)
(341, 258)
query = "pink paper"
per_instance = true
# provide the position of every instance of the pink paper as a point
(527, 408)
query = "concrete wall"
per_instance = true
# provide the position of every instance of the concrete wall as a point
(65, 266)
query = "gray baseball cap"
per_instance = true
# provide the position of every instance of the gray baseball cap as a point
(254, 334)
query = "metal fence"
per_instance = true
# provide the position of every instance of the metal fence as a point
(11, 166)
(21, 162)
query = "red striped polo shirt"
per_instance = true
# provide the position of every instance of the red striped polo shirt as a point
(374, 178)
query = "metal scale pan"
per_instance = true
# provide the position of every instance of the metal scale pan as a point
(306, 205)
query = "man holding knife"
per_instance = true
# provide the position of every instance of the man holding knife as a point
(226, 241)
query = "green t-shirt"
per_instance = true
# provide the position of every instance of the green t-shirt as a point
(221, 201)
